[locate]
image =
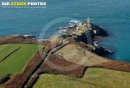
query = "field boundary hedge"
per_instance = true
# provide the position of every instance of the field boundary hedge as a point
(9, 54)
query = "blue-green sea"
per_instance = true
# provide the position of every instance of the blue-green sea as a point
(112, 15)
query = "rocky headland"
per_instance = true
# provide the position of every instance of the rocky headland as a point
(76, 46)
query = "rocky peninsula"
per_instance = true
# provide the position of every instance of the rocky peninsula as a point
(89, 34)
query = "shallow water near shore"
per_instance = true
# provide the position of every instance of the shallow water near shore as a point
(113, 15)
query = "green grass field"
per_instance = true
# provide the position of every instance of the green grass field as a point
(6, 49)
(16, 61)
(93, 78)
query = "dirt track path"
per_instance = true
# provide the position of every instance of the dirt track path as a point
(36, 74)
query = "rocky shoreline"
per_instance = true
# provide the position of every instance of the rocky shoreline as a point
(90, 37)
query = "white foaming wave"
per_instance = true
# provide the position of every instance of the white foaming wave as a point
(62, 31)
(74, 22)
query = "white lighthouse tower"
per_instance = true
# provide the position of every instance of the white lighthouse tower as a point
(89, 26)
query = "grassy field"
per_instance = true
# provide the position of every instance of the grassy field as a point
(16, 61)
(6, 49)
(93, 78)
(76, 54)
